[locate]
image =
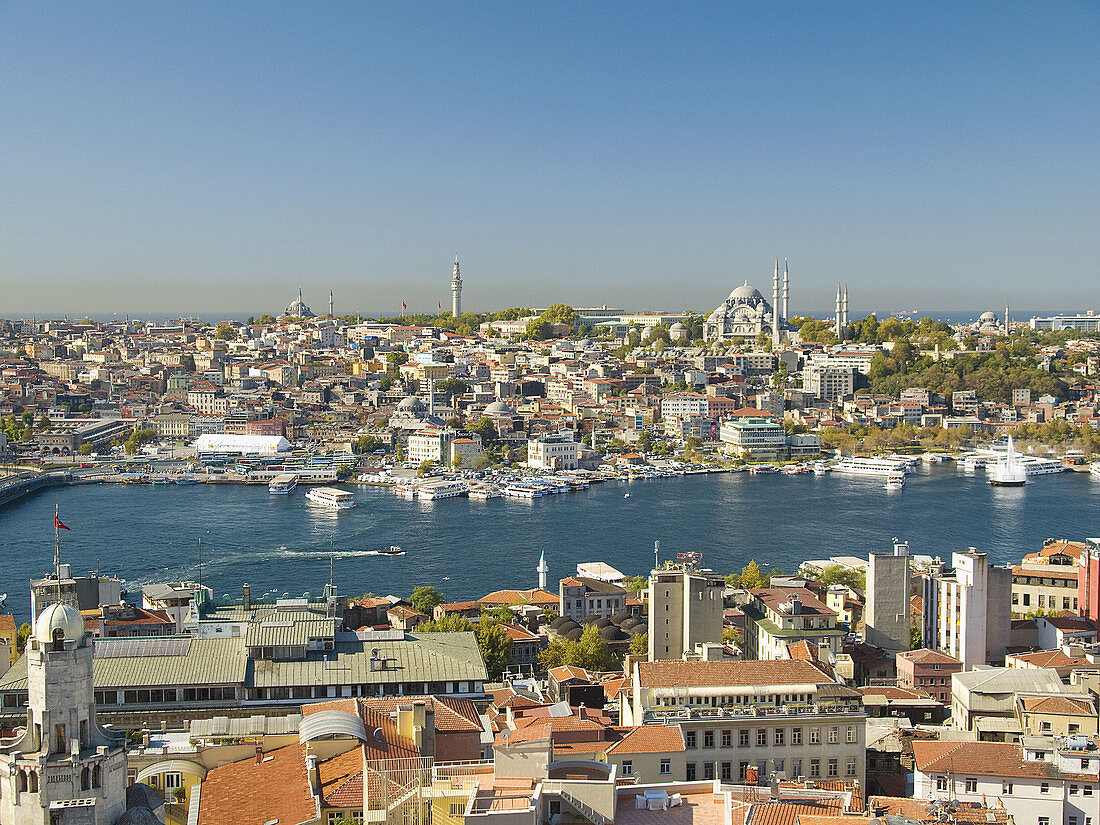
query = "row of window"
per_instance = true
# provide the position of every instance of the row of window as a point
(745, 736)
(970, 785)
(725, 769)
(1044, 601)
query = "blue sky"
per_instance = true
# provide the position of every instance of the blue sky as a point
(209, 157)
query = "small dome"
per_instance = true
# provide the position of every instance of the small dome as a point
(138, 816)
(62, 617)
(574, 634)
(604, 622)
(499, 408)
(746, 293)
(563, 622)
(622, 616)
(412, 403)
(640, 627)
(590, 618)
(612, 634)
(140, 795)
(987, 317)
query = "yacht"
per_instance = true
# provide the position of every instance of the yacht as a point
(895, 481)
(331, 497)
(521, 490)
(484, 493)
(283, 484)
(865, 466)
(441, 489)
(1094, 469)
(1009, 470)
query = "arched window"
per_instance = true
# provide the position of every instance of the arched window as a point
(97, 778)
(33, 782)
(58, 638)
(85, 779)
(21, 780)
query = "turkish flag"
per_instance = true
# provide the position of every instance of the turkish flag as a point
(57, 523)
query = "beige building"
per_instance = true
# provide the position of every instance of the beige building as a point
(685, 610)
(780, 616)
(466, 449)
(555, 451)
(1057, 715)
(780, 717)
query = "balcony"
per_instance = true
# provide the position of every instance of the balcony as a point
(738, 712)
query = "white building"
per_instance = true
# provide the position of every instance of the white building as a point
(1038, 782)
(238, 443)
(62, 767)
(966, 613)
(684, 404)
(857, 357)
(829, 382)
(555, 451)
(754, 438)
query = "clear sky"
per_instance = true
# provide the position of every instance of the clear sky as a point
(208, 158)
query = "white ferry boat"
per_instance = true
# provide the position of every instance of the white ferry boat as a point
(895, 481)
(1094, 469)
(283, 484)
(405, 491)
(976, 461)
(331, 497)
(484, 493)
(521, 490)
(441, 489)
(1009, 470)
(1035, 466)
(933, 458)
(865, 466)
(820, 468)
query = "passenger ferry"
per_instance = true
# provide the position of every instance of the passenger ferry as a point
(441, 489)
(405, 491)
(864, 466)
(485, 493)
(521, 490)
(283, 484)
(1094, 469)
(331, 497)
(895, 481)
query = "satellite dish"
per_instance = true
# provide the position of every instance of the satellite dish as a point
(506, 734)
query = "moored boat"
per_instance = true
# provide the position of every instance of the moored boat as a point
(331, 497)
(283, 484)
(868, 466)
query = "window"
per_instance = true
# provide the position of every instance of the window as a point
(971, 785)
(778, 765)
(1088, 788)
(334, 817)
(833, 770)
(628, 767)
(742, 738)
(834, 735)
(780, 736)
(173, 780)
(666, 767)
(796, 768)
(1073, 790)
(1044, 787)
(851, 734)
(727, 771)
(1044, 727)
(815, 767)
(1006, 788)
(689, 772)
(850, 770)
(1044, 820)
(815, 736)
(727, 738)
(708, 739)
(689, 739)
(708, 770)
(761, 737)
(796, 736)
(941, 783)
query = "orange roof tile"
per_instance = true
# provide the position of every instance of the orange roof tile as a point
(252, 793)
(650, 739)
(765, 672)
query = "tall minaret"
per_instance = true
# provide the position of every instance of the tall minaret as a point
(775, 306)
(456, 291)
(844, 306)
(786, 290)
(839, 329)
(331, 305)
(543, 569)
(1008, 322)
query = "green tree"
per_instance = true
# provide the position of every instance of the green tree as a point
(266, 319)
(226, 333)
(837, 574)
(916, 639)
(451, 623)
(368, 443)
(85, 448)
(457, 462)
(636, 583)
(21, 637)
(425, 467)
(539, 329)
(137, 439)
(425, 598)
(733, 636)
(452, 387)
(752, 576)
(639, 644)
(481, 461)
(560, 314)
(644, 443)
(592, 650)
(495, 647)
(484, 428)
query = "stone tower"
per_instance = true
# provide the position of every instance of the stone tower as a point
(456, 291)
(64, 769)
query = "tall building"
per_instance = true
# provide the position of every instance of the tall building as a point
(685, 608)
(456, 291)
(1088, 582)
(64, 769)
(966, 613)
(886, 617)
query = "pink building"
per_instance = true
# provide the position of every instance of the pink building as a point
(928, 670)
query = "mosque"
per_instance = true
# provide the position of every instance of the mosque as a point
(297, 308)
(745, 314)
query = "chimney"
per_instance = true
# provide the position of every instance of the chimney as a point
(775, 787)
(259, 754)
(796, 605)
(246, 599)
(314, 775)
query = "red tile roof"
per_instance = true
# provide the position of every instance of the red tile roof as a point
(766, 672)
(649, 739)
(252, 793)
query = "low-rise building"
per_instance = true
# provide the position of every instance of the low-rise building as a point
(780, 616)
(579, 596)
(928, 670)
(553, 451)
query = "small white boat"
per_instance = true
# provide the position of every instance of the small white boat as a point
(626, 495)
(283, 484)
(1094, 469)
(392, 550)
(331, 497)
(895, 481)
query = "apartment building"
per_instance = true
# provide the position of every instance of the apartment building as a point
(580, 596)
(927, 670)
(965, 612)
(780, 616)
(554, 451)
(828, 382)
(685, 609)
(785, 718)
(886, 617)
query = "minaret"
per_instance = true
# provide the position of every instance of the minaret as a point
(786, 290)
(844, 307)
(775, 306)
(330, 303)
(839, 330)
(456, 291)
(1008, 322)
(543, 569)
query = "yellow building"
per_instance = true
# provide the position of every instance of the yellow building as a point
(8, 634)
(1057, 715)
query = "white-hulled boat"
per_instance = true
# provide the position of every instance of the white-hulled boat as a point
(1009, 470)
(521, 490)
(484, 493)
(895, 481)
(331, 497)
(1094, 469)
(865, 466)
(441, 489)
(283, 484)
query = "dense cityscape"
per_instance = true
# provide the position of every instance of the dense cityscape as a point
(884, 684)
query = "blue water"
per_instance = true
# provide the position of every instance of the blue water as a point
(467, 548)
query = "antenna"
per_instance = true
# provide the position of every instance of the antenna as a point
(200, 569)
(656, 550)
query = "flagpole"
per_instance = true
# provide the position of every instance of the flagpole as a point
(57, 550)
